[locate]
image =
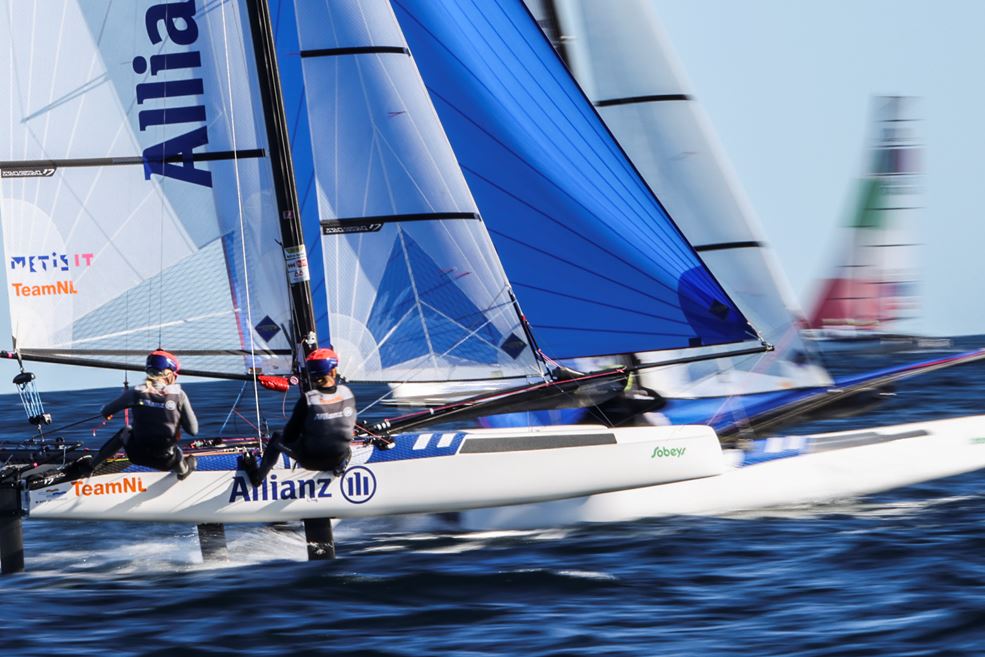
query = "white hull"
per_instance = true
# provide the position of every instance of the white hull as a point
(425, 473)
(936, 450)
(841, 342)
(424, 393)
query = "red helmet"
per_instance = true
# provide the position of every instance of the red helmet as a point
(321, 362)
(160, 360)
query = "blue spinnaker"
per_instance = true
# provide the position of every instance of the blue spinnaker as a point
(597, 264)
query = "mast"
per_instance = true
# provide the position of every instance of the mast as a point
(296, 262)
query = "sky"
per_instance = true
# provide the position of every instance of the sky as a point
(787, 86)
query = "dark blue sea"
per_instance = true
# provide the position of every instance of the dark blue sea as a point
(900, 573)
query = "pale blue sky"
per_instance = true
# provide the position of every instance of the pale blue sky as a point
(787, 86)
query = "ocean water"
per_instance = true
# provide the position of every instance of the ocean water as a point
(900, 573)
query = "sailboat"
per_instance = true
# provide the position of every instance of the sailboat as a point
(148, 198)
(651, 112)
(764, 470)
(620, 57)
(874, 287)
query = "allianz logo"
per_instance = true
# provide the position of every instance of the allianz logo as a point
(667, 452)
(272, 489)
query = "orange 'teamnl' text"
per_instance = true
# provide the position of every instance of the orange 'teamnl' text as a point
(125, 485)
(48, 290)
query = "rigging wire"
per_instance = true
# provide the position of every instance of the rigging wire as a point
(160, 286)
(242, 226)
(126, 339)
(233, 407)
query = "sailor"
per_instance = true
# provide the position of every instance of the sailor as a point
(320, 430)
(161, 411)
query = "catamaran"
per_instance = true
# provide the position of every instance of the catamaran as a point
(148, 199)
(619, 55)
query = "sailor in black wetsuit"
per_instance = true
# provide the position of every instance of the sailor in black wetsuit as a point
(319, 433)
(161, 410)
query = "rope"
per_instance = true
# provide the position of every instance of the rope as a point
(255, 426)
(233, 408)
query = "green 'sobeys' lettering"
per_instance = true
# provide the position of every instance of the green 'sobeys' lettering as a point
(661, 452)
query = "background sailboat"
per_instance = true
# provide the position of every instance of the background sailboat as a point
(874, 287)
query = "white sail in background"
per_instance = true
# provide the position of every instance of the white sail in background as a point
(415, 289)
(873, 286)
(620, 57)
(135, 194)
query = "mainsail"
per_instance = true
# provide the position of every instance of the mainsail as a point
(597, 263)
(620, 56)
(136, 194)
(874, 284)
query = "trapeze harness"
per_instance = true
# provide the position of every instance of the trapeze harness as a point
(321, 428)
(318, 435)
(159, 415)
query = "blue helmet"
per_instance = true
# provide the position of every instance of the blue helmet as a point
(160, 360)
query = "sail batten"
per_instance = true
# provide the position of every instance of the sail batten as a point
(634, 100)
(356, 50)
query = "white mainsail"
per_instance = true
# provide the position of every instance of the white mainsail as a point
(135, 193)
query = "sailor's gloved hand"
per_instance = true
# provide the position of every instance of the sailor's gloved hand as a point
(80, 468)
(247, 463)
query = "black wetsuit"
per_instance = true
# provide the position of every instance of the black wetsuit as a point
(159, 416)
(318, 434)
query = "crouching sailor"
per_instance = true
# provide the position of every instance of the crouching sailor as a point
(161, 410)
(319, 433)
